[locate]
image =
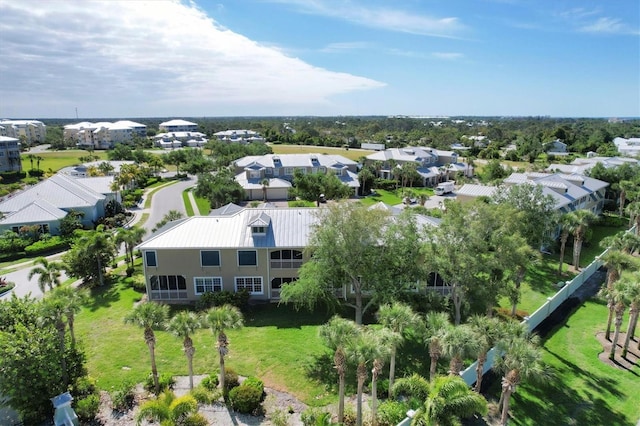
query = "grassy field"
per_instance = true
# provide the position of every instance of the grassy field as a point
(351, 153)
(187, 202)
(393, 197)
(583, 390)
(56, 160)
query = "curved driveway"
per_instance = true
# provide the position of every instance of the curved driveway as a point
(166, 199)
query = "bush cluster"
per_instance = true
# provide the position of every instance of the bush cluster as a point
(55, 243)
(123, 396)
(391, 413)
(87, 399)
(210, 382)
(166, 383)
(219, 298)
(245, 399)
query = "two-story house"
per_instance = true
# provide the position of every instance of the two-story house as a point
(178, 126)
(279, 169)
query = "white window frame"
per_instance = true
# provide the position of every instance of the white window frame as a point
(253, 279)
(288, 171)
(214, 282)
(238, 258)
(211, 266)
(155, 256)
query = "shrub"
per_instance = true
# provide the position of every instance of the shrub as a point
(210, 382)
(279, 418)
(123, 396)
(204, 395)
(505, 314)
(55, 243)
(166, 382)
(349, 415)
(83, 387)
(245, 399)
(254, 382)
(137, 283)
(312, 415)
(196, 419)
(383, 388)
(230, 379)
(219, 298)
(87, 408)
(390, 413)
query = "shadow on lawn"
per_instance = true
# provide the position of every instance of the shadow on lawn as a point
(103, 297)
(283, 316)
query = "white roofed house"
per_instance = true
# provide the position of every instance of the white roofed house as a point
(629, 147)
(232, 249)
(278, 170)
(103, 135)
(32, 131)
(180, 139)
(178, 126)
(242, 136)
(434, 165)
(45, 202)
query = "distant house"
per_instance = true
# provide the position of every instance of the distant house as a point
(180, 139)
(433, 165)
(279, 171)
(32, 131)
(44, 203)
(373, 146)
(233, 249)
(629, 147)
(178, 126)
(241, 136)
(104, 134)
(83, 170)
(10, 155)
(555, 147)
(469, 192)
(582, 165)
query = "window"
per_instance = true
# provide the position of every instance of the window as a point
(167, 287)
(288, 171)
(277, 282)
(252, 284)
(302, 170)
(247, 258)
(323, 169)
(204, 284)
(150, 258)
(286, 259)
(210, 258)
(255, 174)
(258, 229)
(268, 171)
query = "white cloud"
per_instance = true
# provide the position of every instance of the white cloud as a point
(148, 58)
(391, 19)
(346, 46)
(447, 55)
(608, 25)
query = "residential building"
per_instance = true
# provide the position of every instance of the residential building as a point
(469, 192)
(84, 170)
(434, 165)
(180, 139)
(10, 155)
(44, 203)
(232, 249)
(242, 136)
(629, 147)
(31, 131)
(556, 147)
(178, 126)
(279, 170)
(103, 135)
(582, 165)
(373, 146)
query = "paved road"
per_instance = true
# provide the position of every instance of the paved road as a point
(166, 199)
(24, 285)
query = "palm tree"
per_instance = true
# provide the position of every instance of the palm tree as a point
(522, 361)
(486, 332)
(386, 339)
(624, 241)
(566, 227)
(38, 160)
(633, 210)
(49, 273)
(615, 261)
(437, 325)
(71, 300)
(149, 316)
(362, 350)
(337, 333)
(414, 387)
(265, 184)
(625, 186)
(31, 157)
(168, 410)
(459, 343)
(130, 238)
(98, 243)
(184, 325)
(581, 221)
(219, 319)
(53, 310)
(397, 317)
(631, 284)
(448, 399)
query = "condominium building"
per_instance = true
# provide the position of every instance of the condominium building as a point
(103, 135)
(32, 131)
(178, 126)
(10, 155)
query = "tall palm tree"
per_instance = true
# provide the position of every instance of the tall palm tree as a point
(565, 224)
(220, 319)
(581, 221)
(615, 261)
(184, 325)
(486, 332)
(625, 186)
(448, 399)
(397, 317)
(385, 340)
(71, 300)
(98, 243)
(437, 324)
(633, 210)
(362, 351)
(130, 238)
(265, 184)
(336, 334)
(150, 316)
(631, 285)
(459, 343)
(49, 273)
(522, 361)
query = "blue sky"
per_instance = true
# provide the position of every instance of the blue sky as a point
(319, 57)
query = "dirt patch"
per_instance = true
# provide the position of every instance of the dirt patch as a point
(627, 363)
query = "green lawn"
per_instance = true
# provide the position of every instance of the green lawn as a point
(204, 207)
(394, 197)
(277, 344)
(56, 160)
(583, 390)
(187, 202)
